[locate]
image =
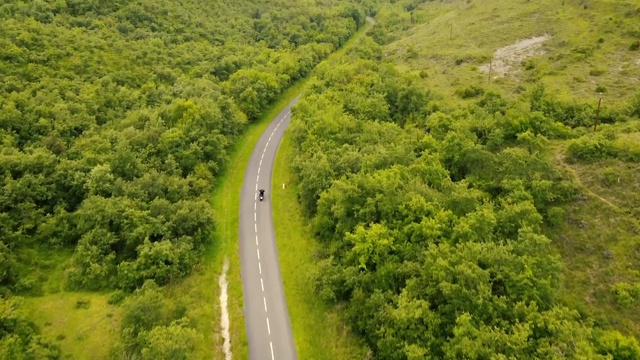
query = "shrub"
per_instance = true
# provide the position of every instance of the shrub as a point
(529, 64)
(635, 106)
(627, 149)
(556, 216)
(626, 294)
(470, 92)
(609, 176)
(588, 149)
(620, 347)
(117, 297)
(83, 303)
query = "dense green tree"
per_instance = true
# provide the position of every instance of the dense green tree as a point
(429, 221)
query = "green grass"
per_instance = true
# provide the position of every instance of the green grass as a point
(318, 331)
(587, 48)
(80, 332)
(83, 333)
(599, 243)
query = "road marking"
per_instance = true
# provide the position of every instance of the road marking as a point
(258, 170)
(255, 227)
(254, 215)
(262, 284)
(257, 178)
(256, 239)
(260, 267)
(258, 251)
(268, 326)
(260, 165)
(271, 344)
(264, 300)
(256, 187)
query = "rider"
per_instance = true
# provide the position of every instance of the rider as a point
(262, 192)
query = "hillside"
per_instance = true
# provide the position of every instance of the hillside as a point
(455, 217)
(116, 120)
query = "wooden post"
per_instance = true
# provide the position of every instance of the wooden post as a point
(490, 68)
(595, 123)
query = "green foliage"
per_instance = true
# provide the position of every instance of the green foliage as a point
(439, 252)
(151, 330)
(19, 338)
(470, 91)
(618, 346)
(116, 119)
(626, 294)
(590, 149)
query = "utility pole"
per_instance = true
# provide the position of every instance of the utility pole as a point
(595, 124)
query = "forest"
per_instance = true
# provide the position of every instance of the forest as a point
(429, 217)
(116, 118)
(435, 208)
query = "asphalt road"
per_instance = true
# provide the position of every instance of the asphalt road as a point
(265, 308)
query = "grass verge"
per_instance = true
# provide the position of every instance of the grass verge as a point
(599, 242)
(200, 291)
(318, 331)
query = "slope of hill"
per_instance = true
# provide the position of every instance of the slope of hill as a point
(116, 118)
(460, 219)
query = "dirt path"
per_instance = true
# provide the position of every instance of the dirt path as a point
(509, 57)
(559, 157)
(224, 311)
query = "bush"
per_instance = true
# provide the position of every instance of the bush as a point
(620, 347)
(609, 177)
(556, 216)
(626, 294)
(627, 149)
(117, 297)
(470, 92)
(588, 149)
(83, 303)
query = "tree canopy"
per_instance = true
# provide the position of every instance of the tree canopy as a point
(429, 218)
(117, 117)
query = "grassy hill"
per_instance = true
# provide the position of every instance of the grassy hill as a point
(589, 44)
(590, 48)
(407, 153)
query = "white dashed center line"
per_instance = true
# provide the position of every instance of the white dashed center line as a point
(255, 226)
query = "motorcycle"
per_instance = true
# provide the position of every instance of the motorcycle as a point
(261, 194)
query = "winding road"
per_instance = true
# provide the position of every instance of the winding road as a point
(265, 308)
